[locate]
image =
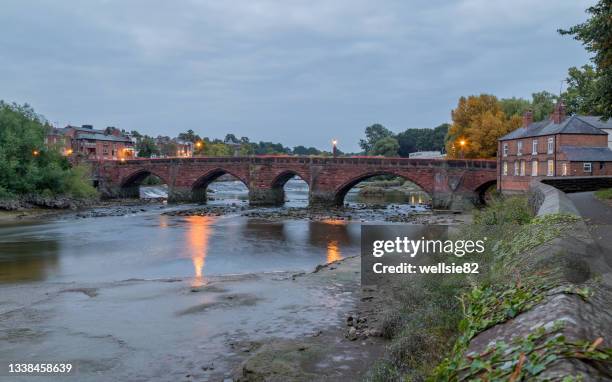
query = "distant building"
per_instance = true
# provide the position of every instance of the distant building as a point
(427, 155)
(559, 146)
(57, 139)
(89, 143)
(183, 148)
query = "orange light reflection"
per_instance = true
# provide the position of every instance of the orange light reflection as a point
(198, 233)
(333, 251)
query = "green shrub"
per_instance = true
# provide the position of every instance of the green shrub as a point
(604, 194)
(383, 371)
(505, 210)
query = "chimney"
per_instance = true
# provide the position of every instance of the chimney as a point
(527, 118)
(558, 114)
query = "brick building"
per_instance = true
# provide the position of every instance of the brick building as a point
(87, 142)
(58, 140)
(559, 146)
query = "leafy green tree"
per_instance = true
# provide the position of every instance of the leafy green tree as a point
(27, 166)
(231, 138)
(387, 146)
(302, 150)
(596, 36)
(189, 136)
(581, 96)
(373, 134)
(412, 140)
(542, 105)
(146, 147)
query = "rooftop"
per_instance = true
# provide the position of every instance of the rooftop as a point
(588, 154)
(576, 124)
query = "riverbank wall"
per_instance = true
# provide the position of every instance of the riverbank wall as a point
(584, 317)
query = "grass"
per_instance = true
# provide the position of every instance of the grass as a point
(437, 316)
(604, 194)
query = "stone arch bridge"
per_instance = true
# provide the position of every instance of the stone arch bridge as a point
(450, 183)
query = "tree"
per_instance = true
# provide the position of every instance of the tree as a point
(373, 134)
(412, 140)
(596, 36)
(386, 146)
(542, 105)
(27, 166)
(478, 121)
(581, 96)
(301, 150)
(146, 147)
(231, 138)
(168, 148)
(189, 136)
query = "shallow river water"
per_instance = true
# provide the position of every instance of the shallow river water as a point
(116, 294)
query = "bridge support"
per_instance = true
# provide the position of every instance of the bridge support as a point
(181, 194)
(325, 199)
(266, 196)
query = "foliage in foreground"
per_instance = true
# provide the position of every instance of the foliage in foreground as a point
(26, 166)
(439, 316)
(605, 194)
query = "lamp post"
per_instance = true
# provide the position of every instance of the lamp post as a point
(198, 145)
(462, 144)
(334, 148)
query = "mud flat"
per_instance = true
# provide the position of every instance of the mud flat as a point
(282, 326)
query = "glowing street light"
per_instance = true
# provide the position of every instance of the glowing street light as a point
(35, 153)
(198, 144)
(334, 148)
(462, 143)
(69, 152)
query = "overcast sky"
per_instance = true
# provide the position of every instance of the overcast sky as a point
(298, 72)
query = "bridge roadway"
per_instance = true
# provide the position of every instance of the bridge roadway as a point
(450, 183)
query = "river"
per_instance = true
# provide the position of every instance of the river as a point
(149, 296)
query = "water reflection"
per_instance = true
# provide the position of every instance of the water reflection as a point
(30, 260)
(333, 251)
(199, 230)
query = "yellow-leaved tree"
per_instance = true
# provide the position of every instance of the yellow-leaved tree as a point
(478, 121)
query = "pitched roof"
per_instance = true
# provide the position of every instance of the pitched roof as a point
(576, 124)
(580, 154)
(103, 137)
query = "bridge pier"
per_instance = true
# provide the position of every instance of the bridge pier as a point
(266, 196)
(323, 199)
(181, 194)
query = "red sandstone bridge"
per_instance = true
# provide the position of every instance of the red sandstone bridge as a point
(448, 182)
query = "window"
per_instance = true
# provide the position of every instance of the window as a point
(505, 150)
(516, 168)
(534, 147)
(602, 165)
(519, 148)
(534, 168)
(551, 168)
(587, 167)
(551, 141)
(522, 168)
(564, 169)
(505, 168)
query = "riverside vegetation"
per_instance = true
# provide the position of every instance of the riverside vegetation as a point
(30, 173)
(436, 317)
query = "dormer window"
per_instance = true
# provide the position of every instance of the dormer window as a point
(519, 148)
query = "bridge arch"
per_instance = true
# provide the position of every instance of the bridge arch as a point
(483, 192)
(277, 187)
(199, 187)
(130, 185)
(341, 191)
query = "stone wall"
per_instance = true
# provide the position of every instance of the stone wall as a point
(580, 261)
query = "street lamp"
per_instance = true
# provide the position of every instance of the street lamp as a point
(35, 153)
(462, 144)
(334, 148)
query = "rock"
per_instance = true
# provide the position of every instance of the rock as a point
(349, 321)
(374, 333)
(351, 335)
